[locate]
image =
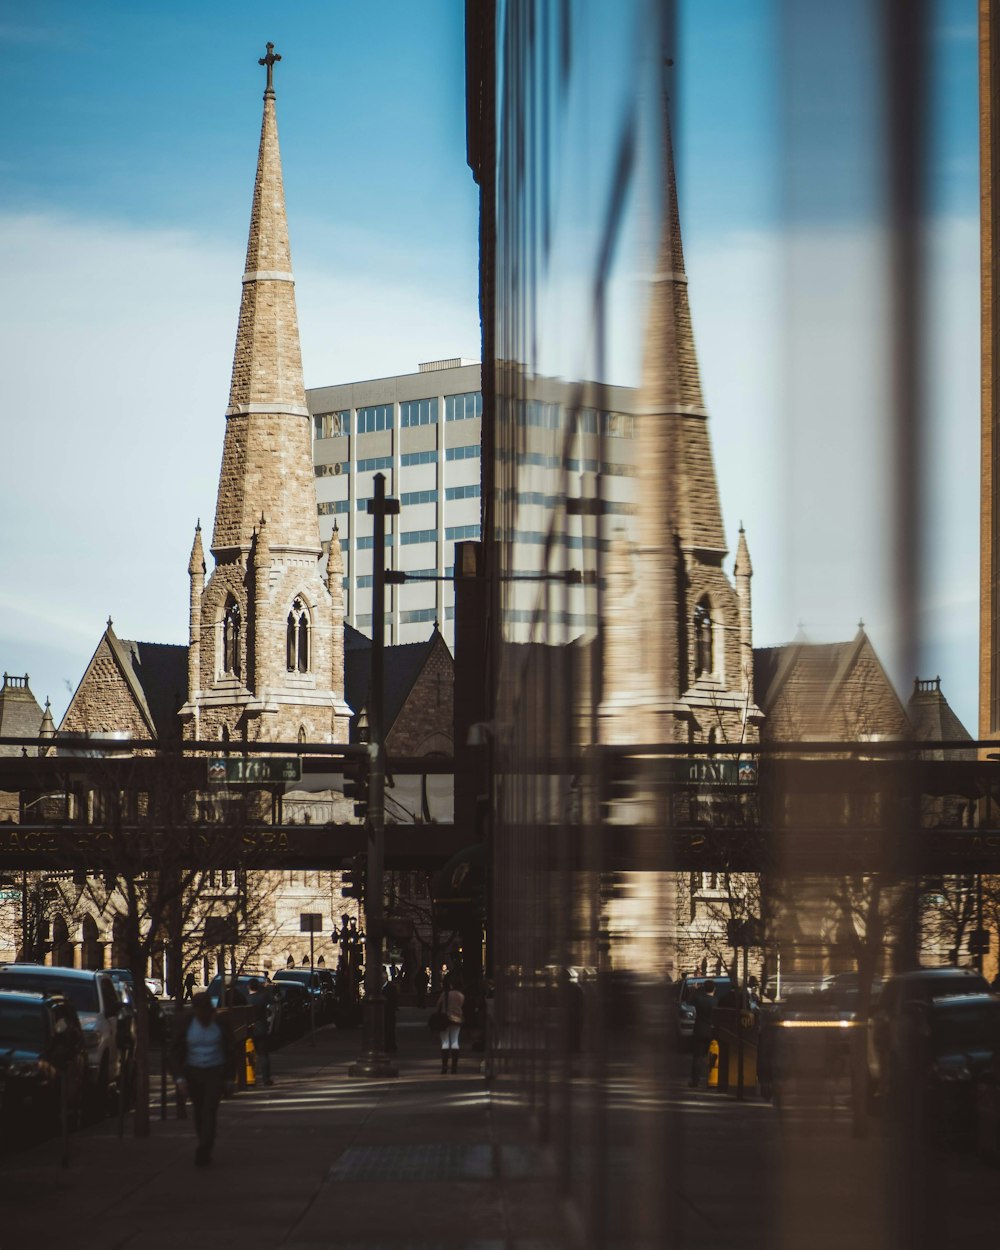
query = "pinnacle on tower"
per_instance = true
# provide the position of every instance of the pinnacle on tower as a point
(742, 567)
(197, 562)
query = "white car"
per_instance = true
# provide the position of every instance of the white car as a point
(95, 998)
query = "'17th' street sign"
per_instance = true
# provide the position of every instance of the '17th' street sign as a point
(236, 770)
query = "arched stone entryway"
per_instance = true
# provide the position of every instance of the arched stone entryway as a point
(62, 947)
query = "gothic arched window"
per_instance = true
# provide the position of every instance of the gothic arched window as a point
(703, 649)
(231, 625)
(297, 639)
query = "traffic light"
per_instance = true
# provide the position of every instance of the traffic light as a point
(356, 788)
(352, 882)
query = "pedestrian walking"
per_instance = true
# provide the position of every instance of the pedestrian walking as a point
(390, 993)
(423, 979)
(261, 1000)
(203, 1054)
(451, 1004)
(188, 988)
(704, 1008)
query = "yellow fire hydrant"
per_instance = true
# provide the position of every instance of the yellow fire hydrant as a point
(251, 1061)
(713, 1064)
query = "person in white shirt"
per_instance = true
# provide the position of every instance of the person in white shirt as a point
(203, 1055)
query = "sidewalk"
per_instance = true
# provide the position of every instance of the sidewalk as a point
(318, 1160)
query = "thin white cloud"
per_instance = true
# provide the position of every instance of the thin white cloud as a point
(117, 346)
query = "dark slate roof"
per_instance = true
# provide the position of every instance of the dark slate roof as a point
(20, 714)
(934, 721)
(826, 690)
(403, 665)
(158, 675)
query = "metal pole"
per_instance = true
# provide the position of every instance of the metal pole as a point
(312, 989)
(373, 1060)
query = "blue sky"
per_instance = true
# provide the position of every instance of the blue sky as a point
(125, 185)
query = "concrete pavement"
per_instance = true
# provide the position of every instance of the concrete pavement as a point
(317, 1160)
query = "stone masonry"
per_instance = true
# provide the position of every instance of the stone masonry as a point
(271, 581)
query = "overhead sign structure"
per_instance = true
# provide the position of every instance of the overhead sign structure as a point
(239, 770)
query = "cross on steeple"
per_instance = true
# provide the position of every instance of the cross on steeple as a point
(269, 61)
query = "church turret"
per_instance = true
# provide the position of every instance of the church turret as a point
(335, 585)
(269, 660)
(743, 572)
(196, 572)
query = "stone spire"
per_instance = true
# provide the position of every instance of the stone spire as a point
(335, 568)
(267, 455)
(196, 572)
(672, 382)
(743, 572)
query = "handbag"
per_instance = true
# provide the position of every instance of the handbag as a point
(437, 1022)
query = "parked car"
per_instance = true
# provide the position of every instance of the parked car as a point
(42, 1057)
(238, 991)
(294, 1009)
(987, 1099)
(319, 983)
(680, 1004)
(123, 977)
(886, 1028)
(948, 1045)
(97, 1005)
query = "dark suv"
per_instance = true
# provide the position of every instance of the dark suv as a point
(888, 1028)
(42, 1057)
(320, 984)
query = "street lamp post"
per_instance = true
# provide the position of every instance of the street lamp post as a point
(373, 1061)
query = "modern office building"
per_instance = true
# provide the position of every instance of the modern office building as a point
(423, 431)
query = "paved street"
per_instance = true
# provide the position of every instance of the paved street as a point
(427, 1161)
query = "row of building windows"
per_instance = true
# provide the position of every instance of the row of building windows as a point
(412, 412)
(333, 507)
(419, 536)
(461, 492)
(418, 412)
(413, 615)
(575, 542)
(366, 619)
(461, 532)
(613, 424)
(463, 407)
(539, 460)
(372, 420)
(408, 497)
(364, 581)
(466, 452)
(367, 541)
(469, 451)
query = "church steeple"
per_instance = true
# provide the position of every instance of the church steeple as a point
(267, 630)
(267, 456)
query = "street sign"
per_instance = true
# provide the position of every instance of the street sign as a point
(711, 772)
(13, 896)
(310, 922)
(239, 770)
